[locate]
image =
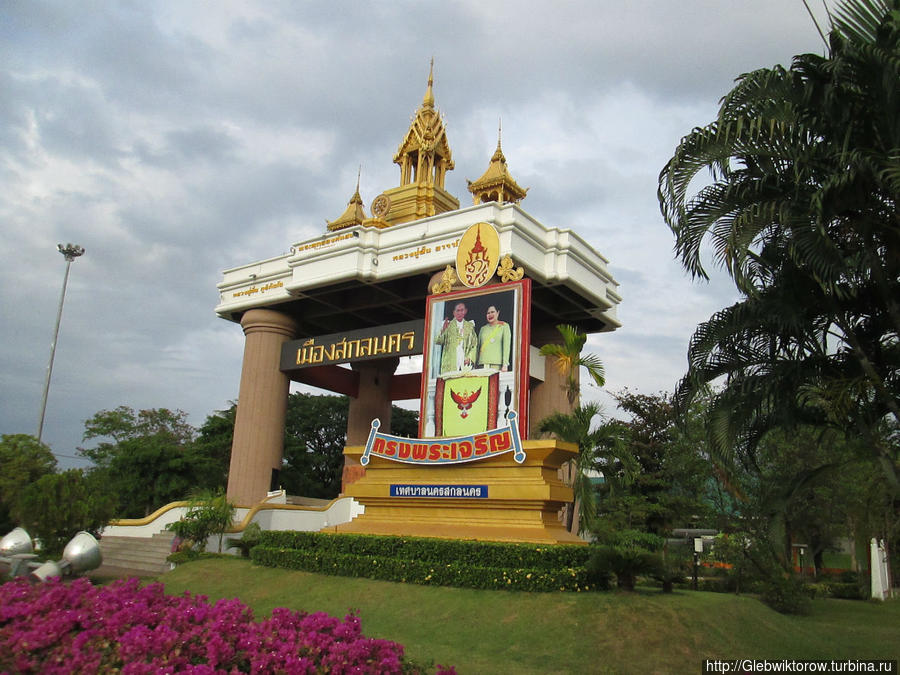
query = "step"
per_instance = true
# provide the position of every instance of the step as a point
(140, 554)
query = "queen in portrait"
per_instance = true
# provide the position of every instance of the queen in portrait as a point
(494, 342)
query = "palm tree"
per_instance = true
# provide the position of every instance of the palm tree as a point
(575, 427)
(802, 211)
(601, 448)
(569, 360)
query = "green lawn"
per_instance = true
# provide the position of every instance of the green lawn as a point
(508, 632)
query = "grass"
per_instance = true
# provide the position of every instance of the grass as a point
(507, 632)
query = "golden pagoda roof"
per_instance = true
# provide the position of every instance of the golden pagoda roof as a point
(354, 214)
(497, 179)
(426, 131)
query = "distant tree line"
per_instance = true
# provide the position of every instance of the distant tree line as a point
(144, 459)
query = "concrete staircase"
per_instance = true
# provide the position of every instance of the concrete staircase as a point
(135, 556)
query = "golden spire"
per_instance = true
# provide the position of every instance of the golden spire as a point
(496, 184)
(354, 214)
(428, 100)
(424, 158)
(498, 153)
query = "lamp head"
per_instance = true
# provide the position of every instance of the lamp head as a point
(82, 553)
(16, 542)
(70, 251)
(45, 571)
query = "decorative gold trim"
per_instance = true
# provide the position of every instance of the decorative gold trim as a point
(234, 527)
(146, 520)
(381, 205)
(506, 272)
(445, 285)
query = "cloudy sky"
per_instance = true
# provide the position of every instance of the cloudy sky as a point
(176, 139)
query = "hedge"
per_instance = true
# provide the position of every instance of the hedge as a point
(472, 564)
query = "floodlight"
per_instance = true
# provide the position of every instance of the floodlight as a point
(82, 553)
(16, 542)
(45, 571)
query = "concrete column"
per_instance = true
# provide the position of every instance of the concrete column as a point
(549, 396)
(374, 400)
(258, 444)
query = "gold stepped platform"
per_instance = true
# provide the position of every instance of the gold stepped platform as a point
(522, 505)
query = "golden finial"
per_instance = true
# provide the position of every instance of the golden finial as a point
(428, 101)
(498, 153)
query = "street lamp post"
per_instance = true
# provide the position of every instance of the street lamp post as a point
(70, 252)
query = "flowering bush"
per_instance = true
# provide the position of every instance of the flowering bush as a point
(58, 627)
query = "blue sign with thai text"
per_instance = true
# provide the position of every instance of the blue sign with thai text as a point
(452, 491)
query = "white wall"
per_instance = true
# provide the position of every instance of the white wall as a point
(269, 516)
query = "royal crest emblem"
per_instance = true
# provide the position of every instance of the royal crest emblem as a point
(478, 255)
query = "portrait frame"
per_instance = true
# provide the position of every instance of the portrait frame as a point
(513, 301)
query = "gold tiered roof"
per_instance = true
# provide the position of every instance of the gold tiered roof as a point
(424, 158)
(424, 155)
(496, 184)
(353, 215)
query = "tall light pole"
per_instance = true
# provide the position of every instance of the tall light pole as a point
(70, 252)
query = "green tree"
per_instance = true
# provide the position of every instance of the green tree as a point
(126, 424)
(809, 485)
(569, 360)
(59, 505)
(600, 450)
(802, 211)
(315, 435)
(672, 476)
(146, 458)
(23, 460)
(212, 447)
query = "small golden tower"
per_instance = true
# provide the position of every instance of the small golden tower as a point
(354, 213)
(496, 184)
(424, 158)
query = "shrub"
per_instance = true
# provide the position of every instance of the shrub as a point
(845, 591)
(626, 554)
(786, 595)
(248, 539)
(483, 553)
(59, 505)
(209, 513)
(58, 628)
(626, 562)
(468, 564)
(669, 572)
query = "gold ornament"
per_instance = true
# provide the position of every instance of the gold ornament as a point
(445, 285)
(381, 205)
(507, 272)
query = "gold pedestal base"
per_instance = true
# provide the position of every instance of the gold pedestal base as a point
(522, 503)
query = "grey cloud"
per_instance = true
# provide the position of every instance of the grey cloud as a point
(156, 146)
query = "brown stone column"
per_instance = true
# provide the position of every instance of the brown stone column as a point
(373, 400)
(258, 443)
(549, 396)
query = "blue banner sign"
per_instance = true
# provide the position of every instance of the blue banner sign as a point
(451, 491)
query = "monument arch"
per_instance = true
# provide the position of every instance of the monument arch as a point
(339, 310)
